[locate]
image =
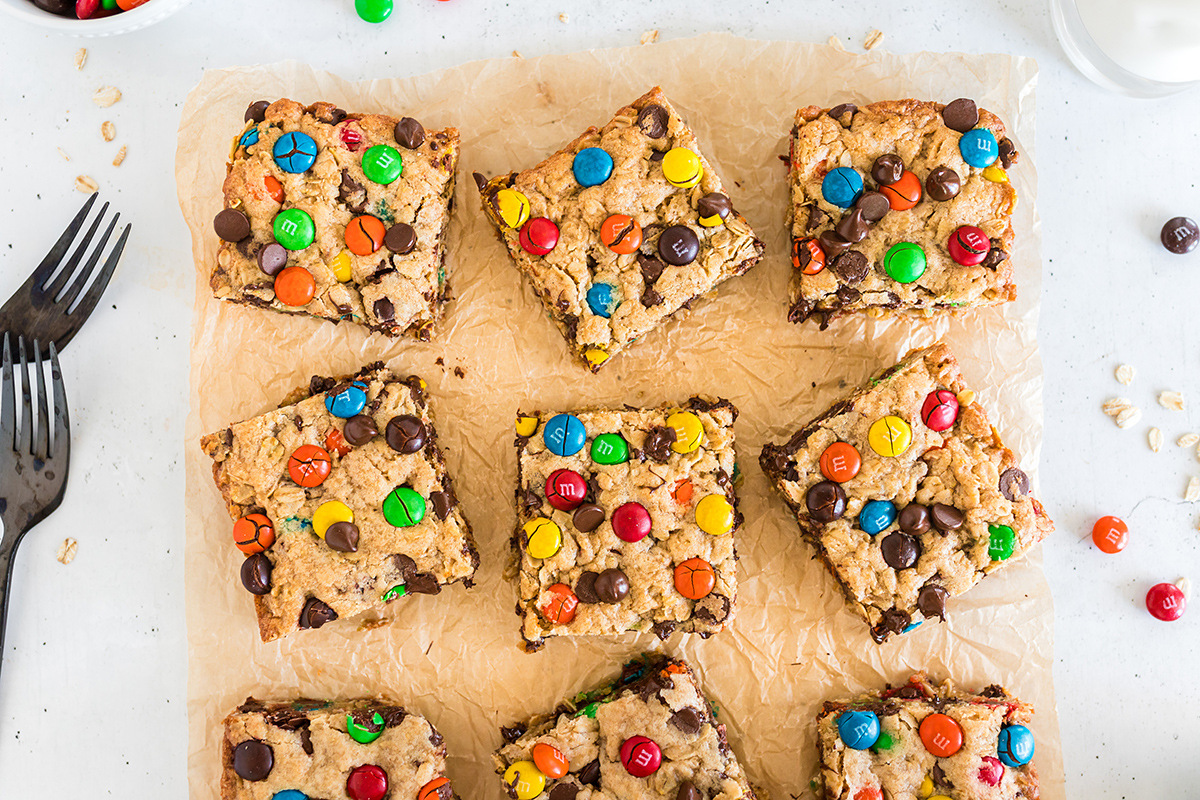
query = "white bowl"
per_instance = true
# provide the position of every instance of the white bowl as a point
(124, 22)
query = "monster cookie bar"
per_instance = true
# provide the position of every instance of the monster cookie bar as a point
(626, 521)
(358, 749)
(907, 492)
(342, 501)
(338, 216)
(621, 228)
(649, 734)
(901, 205)
(927, 740)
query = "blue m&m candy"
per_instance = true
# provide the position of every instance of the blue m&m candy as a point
(1015, 745)
(295, 152)
(842, 187)
(592, 166)
(979, 148)
(601, 299)
(912, 626)
(289, 794)
(248, 138)
(876, 516)
(858, 729)
(347, 401)
(564, 435)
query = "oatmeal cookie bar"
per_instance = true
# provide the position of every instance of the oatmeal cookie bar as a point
(342, 501)
(926, 740)
(357, 749)
(902, 205)
(907, 493)
(626, 520)
(621, 228)
(339, 216)
(649, 734)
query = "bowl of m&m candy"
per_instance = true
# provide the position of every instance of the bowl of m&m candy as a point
(92, 17)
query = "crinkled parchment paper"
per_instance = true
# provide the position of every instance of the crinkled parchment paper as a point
(454, 657)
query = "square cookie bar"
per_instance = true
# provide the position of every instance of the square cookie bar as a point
(626, 520)
(926, 740)
(338, 216)
(650, 734)
(342, 501)
(907, 493)
(358, 749)
(621, 228)
(900, 206)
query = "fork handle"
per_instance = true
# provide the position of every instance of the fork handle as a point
(8, 552)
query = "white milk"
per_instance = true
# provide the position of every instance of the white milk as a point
(1156, 39)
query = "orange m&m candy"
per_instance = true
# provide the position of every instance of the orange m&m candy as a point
(295, 286)
(868, 793)
(682, 493)
(253, 533)
(309, 466)
(336, 442)
(364, 235)
(807, 256)
(1110, 534)
(274, 188)
(560, 608)
(941, 735)
(840, 462)
(695, 578)
(550, 760)
(430, 790)
(125, 5)
(904, 193)
(621, 234)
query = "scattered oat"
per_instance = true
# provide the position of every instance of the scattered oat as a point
(106, 96)
(836, 44)
(66, 551)
(1185, 586)
(64, 155)
(517, 54)
(372, 624)
(80, 57)
(1129, 417)
(650, 37)
(1171, 400)
(966, 397)
(1125, 374)
(873, 39)
(563, 17)
(85, 184)
(1156, 439)
(1115, 405)
(108, 130)
(1187, 440)
(120, 155)
(1192, 493)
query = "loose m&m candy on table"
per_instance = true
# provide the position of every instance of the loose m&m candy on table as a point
(1166, 602)
(1110, 534)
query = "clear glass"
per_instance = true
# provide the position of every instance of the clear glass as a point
(1139, 30)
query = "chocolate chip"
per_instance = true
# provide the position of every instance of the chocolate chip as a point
(832, 244)
(943, 184)
(590, 774)
(826, 501)
(480, 181)
(405, 566)
(874, 206)
(1008, 153)
(688, 791)
(585, 588)
(657, 155)
(442, 503)
(257, 111)
(663, 629)
(816, 217)
(256, 574)
(349, 190)
(588, 517)
(253, 760)
(852, 227)
(900, 551)
(653, 121)
(1014, 484)
(306, 740)
(946, 518)
(316, 613)
(931, 601)
(939, 777)
(914, 518)
(530, 501)
(887, 169)
(612, 586)
(678, 245)
(961, 115)
(409, 133)
(562, 791)
(652, 268)
(995, 257)
(851, 266)
(405, 434)
(714, 204)
(272, 258)
(658, 444)
(423, 583)
(893, 621)
(343, 537)
(838, 111)
(688, 720)
(1179, 235)
(847, 295)
(511, 735)
(400, 238)
(231, 225)
(360, 429)
(650, 297)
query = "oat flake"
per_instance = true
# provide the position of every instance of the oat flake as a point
(66, 551)
(1156, 439)
(873, 39)
(106, 96)
(1171, 400)
(1125, 374)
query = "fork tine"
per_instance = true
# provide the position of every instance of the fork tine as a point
(61, 280)
(52, 259)
(62, 419)
(8, 402)
(92, 297)
(26, 400)
(80, 279)
(41, 445)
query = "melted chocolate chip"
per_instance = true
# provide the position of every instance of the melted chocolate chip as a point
(832, 244)
(961, 115)
(405, 566)
(663, 629)
(306, 740)
(851, 266)
(585, 588)
(1008, 153)
(713, 609)
(826, 501)
(384, 310)
(612, 586)
(931, 601)
(360, 429)
(1014, 484)
(943, 184)
(839, 111)
(653, 121)
(900, 551)
(652, 268)
(442, 502)
(253, 760)
(658, 443)
(914, 518)
(480, 181)
(400, 238)
(409, 133)
(514, 733)
(530, 501)
(852, 227)
(650, 297)
(272, 258)
(688, 720)
(816, 217)
(714, 204)
(349, 192)
(316, 613)
(995, 256)
(688, 791)
(563, 790)
(423, 583)
(874, 206)
(946, 518)
(887, 169)
(893, 621)
(590, 774)
(588, 517)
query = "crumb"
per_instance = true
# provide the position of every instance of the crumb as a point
(64, 155)
(441, 362)
(85, 184)
(108, 130)
(1185, 586)
(836, 44)
(106, 96)
(120, 155)
(80, 57)
(66, 551)
(1125, 374)
(650, 37)
(873, 39)
(459, 372)
(966, 397)
(563, 17)
(517, 54)
(372, 624)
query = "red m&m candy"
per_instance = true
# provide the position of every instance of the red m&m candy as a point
(968, 245)
(367, 782)
(1166, 601)
(538, 236)
(991, 771)
(565, 489)
(336, 442)
(1110, 534)
(641, 756)
(631, 522)
(940, 410)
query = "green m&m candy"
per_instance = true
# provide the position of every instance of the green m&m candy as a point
(1001, 543)
(403, 507)
(365, 733)
(904, 262)
(294, 229)
(382, 164)
(610, 448)
(373, 10)
(399, 590)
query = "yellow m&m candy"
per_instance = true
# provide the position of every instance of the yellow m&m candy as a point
(995, 174)
(329, 513)
(512, 206)
(889, 436)
(595, 356)
(543, 537)
(525, 779)
(526, 426)
(689, 431)
(341, 266)
(681, 167)
(714, 514)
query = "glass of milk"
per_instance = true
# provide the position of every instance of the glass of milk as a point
(1142, 48)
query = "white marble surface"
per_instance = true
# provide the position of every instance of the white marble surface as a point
(92, 698)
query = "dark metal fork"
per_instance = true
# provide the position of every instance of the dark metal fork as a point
(33, 459)
(42, 308)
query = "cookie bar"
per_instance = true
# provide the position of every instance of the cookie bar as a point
(338, 216)
(621, 228)
(900, 206)
(649, 734)
(926, 739)
(626, 520)
(360, 749)
(907, 493)
(342, 501)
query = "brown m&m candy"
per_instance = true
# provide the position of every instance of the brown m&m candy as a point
(826, 501)
(678, 245)
(946, 518)
(1179, 235)
(231, 225)
(253, 760)
(400, 238)
(405, 434)
(874, 205)
(943, 184)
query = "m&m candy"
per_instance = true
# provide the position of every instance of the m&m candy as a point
(991, 771)
(1015, 745)
(826, 501)
(610, 448)
(876, 516)
(294, 228)
(841, 187)
(512, 207)
(858, 729)
(1166, 601)
(807, 256)
(248, 138)
(889, 436)
(678, 245)
(403, 507)
(940, 410)
(681, 492)
(1001, 542)
(364, 235)
(335, 442)
(714, 514)
(689, 431)
(904, 262)
(525, 780)
(641, 756)
(595, 357)
(294, 286)
(560, 607)
(565, 489)
(979, 148)
(346, 401)
(295, 152)
(712, 209)
(840, 462)
(868, 793)
(382, 164)
(621, 233)
(941, 735)
(968, 245)
(695, 578)
(397, 591)
(309, 465)
(436, 789)
(995, 174)
(904, 193)
(328, 513)
(367, 732)
(538, 236)
(367, 782)
(253, 533)
(543, 537)
(564, 434)
(592, 166)
(256, 574)
(289, 794)
(526, 426)
(602, 300)
(550, 760)
(1110, 534)
(274, 188)
(340, 266)
(373, 10)
(631, 522)
(681, 167)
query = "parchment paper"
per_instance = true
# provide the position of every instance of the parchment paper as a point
(454, 657)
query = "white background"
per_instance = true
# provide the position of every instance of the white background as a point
(92, 696)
